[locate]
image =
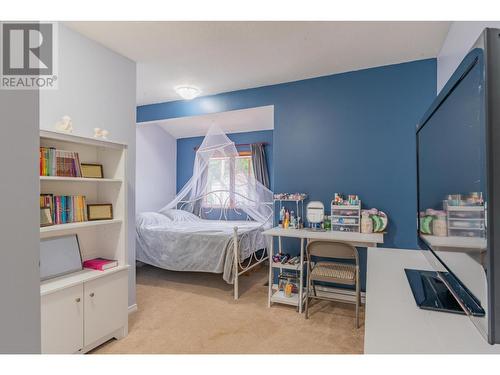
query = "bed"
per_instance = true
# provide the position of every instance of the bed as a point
(178, 240)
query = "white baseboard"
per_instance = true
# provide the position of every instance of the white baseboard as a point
(132, 309)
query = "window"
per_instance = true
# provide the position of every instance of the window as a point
(232, 175)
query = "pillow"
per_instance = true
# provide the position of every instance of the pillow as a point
(180, 215)
(152, 219)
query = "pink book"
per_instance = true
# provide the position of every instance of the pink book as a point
(100, 264)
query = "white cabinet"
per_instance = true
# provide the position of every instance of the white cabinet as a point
(69, 326)
(76, 319)
(62, 321)
(105, 306)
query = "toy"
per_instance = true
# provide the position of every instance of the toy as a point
(65, 125)
(100, 133)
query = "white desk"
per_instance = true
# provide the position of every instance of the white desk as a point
(394, 323)
(355, 239)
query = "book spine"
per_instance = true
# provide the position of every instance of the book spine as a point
(85, 216)
(53, 162)
(70, 164)
(77, 208)
(41, 160)
(78, 166)
(57, 209)
(46, 164)
(61, 209)
(52, 208)
(44, 161)
(58, 163)
(70, 209)
(73, 166)
(66, 167)
(63, 164)
(80, 208)
(64, 208)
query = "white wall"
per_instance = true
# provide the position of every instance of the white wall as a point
(19, 223)
(460, 39)
(156, 157)
(96, 89)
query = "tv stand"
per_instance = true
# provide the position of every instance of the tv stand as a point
(431, 293)
(393, 322)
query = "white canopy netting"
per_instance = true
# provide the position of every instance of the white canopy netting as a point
(223, 185)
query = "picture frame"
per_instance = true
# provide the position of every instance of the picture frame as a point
(91, 170)
(46, 200)
(46, 217)
(103, 211)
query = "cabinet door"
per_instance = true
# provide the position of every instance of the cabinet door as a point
(62, 321)
(106, 301)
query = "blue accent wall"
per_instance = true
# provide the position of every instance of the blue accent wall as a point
(351, 132)
(186, 153)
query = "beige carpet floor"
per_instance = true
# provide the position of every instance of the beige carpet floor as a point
(195, 313)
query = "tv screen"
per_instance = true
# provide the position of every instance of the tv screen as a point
(452, 186)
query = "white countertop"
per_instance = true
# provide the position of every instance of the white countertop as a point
(357, 239)
(394, 323)
(75, 278)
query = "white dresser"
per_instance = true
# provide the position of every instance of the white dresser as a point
(394, 323)
(84, 311)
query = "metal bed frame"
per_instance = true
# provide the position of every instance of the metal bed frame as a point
(199, 207)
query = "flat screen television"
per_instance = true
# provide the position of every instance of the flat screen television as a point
(458, 166)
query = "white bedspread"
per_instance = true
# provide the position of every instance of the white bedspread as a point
(179, 241)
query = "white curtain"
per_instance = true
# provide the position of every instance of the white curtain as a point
(255, 201)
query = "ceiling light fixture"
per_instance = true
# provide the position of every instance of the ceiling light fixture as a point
(187, 92)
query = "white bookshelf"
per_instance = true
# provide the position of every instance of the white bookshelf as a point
(58, 229)
(90, 304)
(105, 238)
(80, 179)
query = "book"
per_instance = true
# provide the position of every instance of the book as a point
(59, 163)
(66, 208)
(100, 264)
(47, 200)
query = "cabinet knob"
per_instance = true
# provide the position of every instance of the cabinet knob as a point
(92, 294)
(78, 299)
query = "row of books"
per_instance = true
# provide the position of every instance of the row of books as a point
(65, 208)
(59, 163)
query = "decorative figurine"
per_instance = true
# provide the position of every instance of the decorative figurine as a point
(65, 125)
(101, 133)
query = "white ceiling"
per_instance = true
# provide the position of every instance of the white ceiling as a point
(244, 120)
(225, 56)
